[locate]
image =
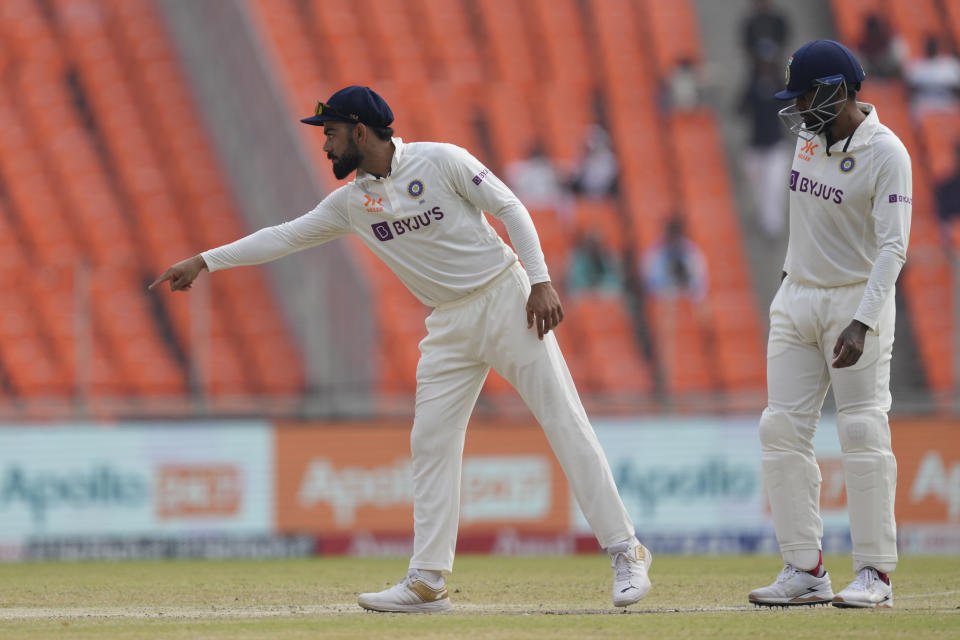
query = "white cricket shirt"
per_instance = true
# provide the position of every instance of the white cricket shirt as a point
(850, 213)
(425, 221)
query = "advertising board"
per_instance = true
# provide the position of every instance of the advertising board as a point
(335, 479)
(130, 480)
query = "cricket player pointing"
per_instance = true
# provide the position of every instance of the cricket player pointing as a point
(831, 324)
(418, 206)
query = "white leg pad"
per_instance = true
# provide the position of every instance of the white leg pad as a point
(870, 472)
(792, 480)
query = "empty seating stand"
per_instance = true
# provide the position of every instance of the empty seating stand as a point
(107, 179)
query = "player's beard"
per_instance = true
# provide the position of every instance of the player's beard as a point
(347, 163)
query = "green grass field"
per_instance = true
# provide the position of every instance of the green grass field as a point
(494, 597)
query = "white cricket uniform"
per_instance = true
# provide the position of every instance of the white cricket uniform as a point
(425, 221)
(849, 226)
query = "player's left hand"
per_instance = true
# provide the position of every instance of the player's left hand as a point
(543, 308)
(849, 345)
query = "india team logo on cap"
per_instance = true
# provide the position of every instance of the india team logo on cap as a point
(415, 189)
(847, 164)
(789, 62)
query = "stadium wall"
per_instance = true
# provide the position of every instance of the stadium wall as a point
(262, 489)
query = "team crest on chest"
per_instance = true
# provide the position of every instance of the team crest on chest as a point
(415, 188)
(847, 164)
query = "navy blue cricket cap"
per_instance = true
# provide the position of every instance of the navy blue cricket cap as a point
(353, 104)
(819, 60)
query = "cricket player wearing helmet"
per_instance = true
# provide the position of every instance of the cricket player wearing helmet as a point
(428, 227)
(831, 324)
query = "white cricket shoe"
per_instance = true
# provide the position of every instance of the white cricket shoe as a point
(866, 591)
(413, 594)
(793, 588)
(630, 561)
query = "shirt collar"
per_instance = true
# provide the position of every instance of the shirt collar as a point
(863, 133)
(398, 153)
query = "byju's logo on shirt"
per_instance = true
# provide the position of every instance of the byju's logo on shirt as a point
(384, 232)
(894, 198)
(477, 179)
(801, 184)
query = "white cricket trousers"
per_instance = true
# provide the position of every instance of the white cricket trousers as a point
(805, 323)
(464, 339)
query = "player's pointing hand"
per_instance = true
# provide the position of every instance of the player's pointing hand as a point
(182, 274)
(543, 308)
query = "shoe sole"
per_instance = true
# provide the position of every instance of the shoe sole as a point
(790, 603)
(425, 607)
(840, 603)
(644, 593)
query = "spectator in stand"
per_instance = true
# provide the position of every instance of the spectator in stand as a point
(934, 81)
(882, 51)
(593, 267)
(675, 266)
(764, 27)
(948, 203)
(766, 163)
(596, 174)
(536, 181)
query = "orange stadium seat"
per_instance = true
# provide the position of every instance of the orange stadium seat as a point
(451, 47)
(915, 21)
(714, 227)
(952, 20)
(939, 135)
(564, 51)
(603, 340)
(682, 344)
(345, 44)
(564, 119)
(103, 189)
(508, 50)
(673, 33)
(602, 217)
(512, 128)
(27, 361)
(32, 196)
(849, 17)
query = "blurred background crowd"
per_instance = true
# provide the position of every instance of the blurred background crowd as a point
(644, 142)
